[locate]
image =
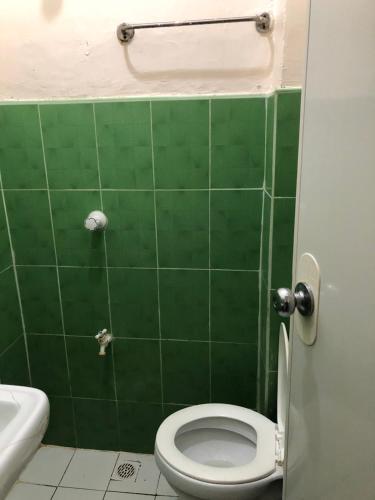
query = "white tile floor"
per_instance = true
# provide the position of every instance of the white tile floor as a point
(72, 474)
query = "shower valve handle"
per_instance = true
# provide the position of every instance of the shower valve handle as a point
(96, 221)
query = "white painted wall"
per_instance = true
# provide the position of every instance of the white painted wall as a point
(68, 48)
(295, 39)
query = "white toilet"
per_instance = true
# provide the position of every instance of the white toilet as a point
(226, 452)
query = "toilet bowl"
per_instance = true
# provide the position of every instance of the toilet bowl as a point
(226, 452)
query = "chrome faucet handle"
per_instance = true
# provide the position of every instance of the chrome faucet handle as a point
(104, 338)
(285, 301)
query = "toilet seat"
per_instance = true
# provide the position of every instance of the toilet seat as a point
(263, 464)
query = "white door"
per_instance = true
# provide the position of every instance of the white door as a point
(331, 440)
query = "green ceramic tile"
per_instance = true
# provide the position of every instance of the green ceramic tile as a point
(181, 143)
(170, 409)
(91, 375)
(137, 365)
(266, 227)
(5, 255)
(70, 145)
(85, 300)
(264, 295)
(184, 304)
(11, 326)
(13, 364)
(287, 138)
(139, 423)
(182, 221)
(40, 299)
(124, 141)
(234, 374)
(270, 101)
(271, 410)
(21, 156)
(262, 389)
(238, 136)
(131, 230)
(282, 244)
(60, 431)
(76, 246)
(134, 302)
(30, 227)
(89, 416)
(185, 372)
(234, 306)
(48, 364)
(236, 218)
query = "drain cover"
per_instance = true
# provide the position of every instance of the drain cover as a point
(126, 470)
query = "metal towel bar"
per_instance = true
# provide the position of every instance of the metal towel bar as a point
(263, 23)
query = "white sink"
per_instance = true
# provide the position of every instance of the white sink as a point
(24, 414)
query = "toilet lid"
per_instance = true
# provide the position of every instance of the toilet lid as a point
(282, 378)
(263, 465)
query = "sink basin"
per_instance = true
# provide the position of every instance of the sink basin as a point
(24, 414)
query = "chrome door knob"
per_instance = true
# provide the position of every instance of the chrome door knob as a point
(285, 301)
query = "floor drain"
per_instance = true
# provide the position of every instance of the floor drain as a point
(126, 470)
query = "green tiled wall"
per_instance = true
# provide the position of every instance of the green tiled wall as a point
(283, 115)
(13, 358)
(176, 274)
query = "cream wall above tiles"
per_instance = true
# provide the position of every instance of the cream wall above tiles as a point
(64, 48)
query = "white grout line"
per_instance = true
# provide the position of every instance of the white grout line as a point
(107, 275)
(16, 278)
(96, 399)
(145, 268)
(157, 261)
(155, 339)
(211, 188)
(260, 333)
(157, 487)
(270, 252)
(52, 266)
(134, 189)
(24, 189)
(112, 473)
(259, 368)
(22, 315)
(209, 269)
(146, 98)
(66, 468)
(9, 346)
(57, 269)
(268, 194)
(6, 269)
(209, 246)
(130, 402)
